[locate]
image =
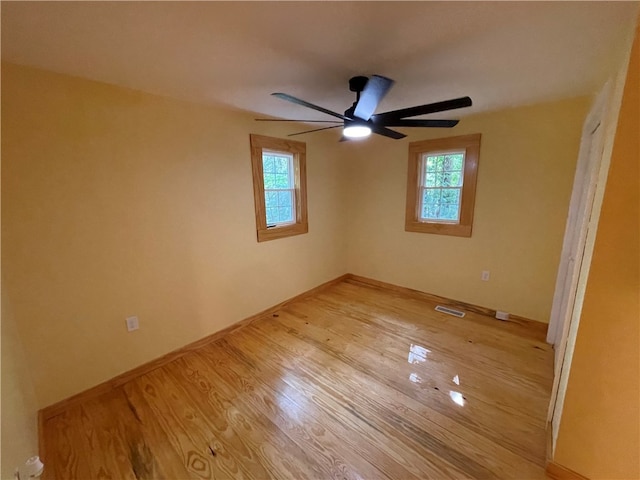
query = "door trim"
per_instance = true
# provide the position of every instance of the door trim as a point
(606, 107)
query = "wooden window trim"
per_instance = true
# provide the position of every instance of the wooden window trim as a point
(299, 152)
(471, 146)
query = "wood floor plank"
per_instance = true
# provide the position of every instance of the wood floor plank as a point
(66, 460)
(524, 328)
(413, 313)
(361, 415)
(310, 437)
(267, 443)
(500, 428)
(398, 347)
(393, 404)
(455, 351)
(109, 456)
(331, 424)
(352, 382)
(419, 317)
(220, 416)
(181, 424)
(147, 451)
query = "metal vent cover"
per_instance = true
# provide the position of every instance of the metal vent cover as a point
(450, 311)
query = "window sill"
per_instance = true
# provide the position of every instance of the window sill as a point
(274, 233)
(453, 229)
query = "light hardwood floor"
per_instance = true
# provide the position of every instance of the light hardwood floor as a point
(354, 382)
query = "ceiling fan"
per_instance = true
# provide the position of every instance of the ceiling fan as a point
(359, 120)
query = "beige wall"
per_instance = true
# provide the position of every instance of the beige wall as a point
(527, 162)
(599, 433)
(119, 203)
(18, 401)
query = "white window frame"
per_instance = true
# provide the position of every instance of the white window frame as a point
(291, 189)
(423, 187)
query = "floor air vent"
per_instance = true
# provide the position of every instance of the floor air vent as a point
(450, 311)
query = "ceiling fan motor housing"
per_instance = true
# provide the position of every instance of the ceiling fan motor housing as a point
(357, 84)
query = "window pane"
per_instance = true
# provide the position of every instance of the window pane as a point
(280, 206)
(434, 163)
(430, 211)
(457, 161)
(281, 180)
(433, 179)
(267, 164)
(282, 165)
(450, 196)
(277, 171)
(270, 199)
(430, 180)
(453, 162)
(449, 212)
(440, 204)
(431, 195)
(284, 214)
(269, 181)
(272, 216)
(425, 211)
(448, 179)
(445, 162)
(284, 199)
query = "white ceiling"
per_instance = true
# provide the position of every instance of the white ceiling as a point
(235, 54)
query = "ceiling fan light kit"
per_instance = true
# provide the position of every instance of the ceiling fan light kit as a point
(355, 130)
(360, 120)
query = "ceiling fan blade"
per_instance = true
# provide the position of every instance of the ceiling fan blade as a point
(297, 101)
(287, 120)
(385, 131)
(423, 109)
(315, 130)
(421, 123)
(374, 91)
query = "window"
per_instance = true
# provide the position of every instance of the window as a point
(441, 185)
(440, 182)
(279, 187)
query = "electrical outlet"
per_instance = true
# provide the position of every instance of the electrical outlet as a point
(485, 276)
(132, 324)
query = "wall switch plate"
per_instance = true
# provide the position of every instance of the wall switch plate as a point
(132, 324)
(485, 276)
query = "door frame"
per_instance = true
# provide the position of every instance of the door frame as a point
(580, 209)
(563, 330)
